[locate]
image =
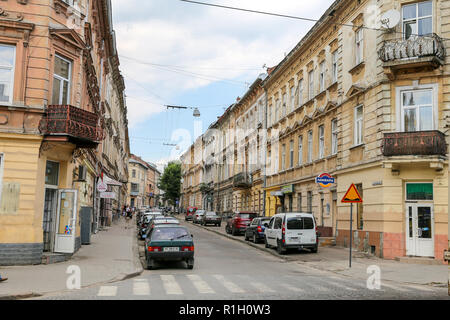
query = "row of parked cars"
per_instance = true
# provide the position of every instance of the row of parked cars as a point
(165, 239)
(283, 231)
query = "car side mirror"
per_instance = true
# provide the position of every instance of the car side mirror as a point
(266, 225)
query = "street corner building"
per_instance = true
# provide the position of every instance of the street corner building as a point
(63, 127)
(361, 98)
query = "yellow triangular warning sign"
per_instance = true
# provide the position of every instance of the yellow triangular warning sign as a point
(352, 196)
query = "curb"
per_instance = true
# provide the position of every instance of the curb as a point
(20, 296)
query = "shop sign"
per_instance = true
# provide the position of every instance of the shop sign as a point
(101, 186)
(288, 189)
(108, 195)
(325, 180)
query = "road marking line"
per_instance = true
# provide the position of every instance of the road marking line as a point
(200, 285)
(261, 287)
(291, 288)
(141, 287)
(340, 285)
(228, 284)
(170, 284)
(393, 287)
(107, 291)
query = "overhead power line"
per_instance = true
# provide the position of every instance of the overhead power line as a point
(294, 17)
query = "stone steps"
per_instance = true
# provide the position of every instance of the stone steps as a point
(419, 260)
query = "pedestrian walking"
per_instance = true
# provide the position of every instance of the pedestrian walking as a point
(2, 279)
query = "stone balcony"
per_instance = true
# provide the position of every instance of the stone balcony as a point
(242, 180)
(417, 52)
(419, 143)
(66, 123)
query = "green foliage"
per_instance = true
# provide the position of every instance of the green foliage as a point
(170, 182)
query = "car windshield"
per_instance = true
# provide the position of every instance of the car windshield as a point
(211, 214)
(170, 234)
(246, 215)
(300, 223)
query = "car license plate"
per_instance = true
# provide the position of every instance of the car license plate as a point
(294, 238)
(171, 249)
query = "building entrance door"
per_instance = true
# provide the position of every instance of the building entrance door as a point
(420, 230)
(66, 221)
(49, 219)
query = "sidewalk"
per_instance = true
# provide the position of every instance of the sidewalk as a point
(111, 256)
(336, 260)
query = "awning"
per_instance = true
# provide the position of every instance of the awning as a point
(111, 181)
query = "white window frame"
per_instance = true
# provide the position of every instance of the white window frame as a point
(69, 80)
(292, 106)
(334, 136)
(322, 76)
(334, 65)
(359, 45)
(283, 157)
(321, 141)
(399, 90)
(416, 19)
(284, 105)
(358, 127)
(300, 92)
(310, 146)
(13, 71)
(291, 153)
(311, 84)
(300, 150)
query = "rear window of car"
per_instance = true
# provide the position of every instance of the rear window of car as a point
(300, 223)
(210, 213)
(247, 215)
(170, 234)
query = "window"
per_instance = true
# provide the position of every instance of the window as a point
(7, 61)
(69, 2)
(309, 202)
(134, 187)
(359, 45)
(291, 154)
(419, 191)
(334, 66)
(283, 157)
(358, 125)
(133, 174)
(310, 145)
(278, 223)
(311, 84)
(300, 92)
(359, 208)
(300, 150)
(321, 141)
(269, 161)
(334, 136)
(292, 106)
(322, 76)
(299, 202)
(277, 110)
(417, 19)
(61, 81)
(284, 104)
(52, 173)
(417, 110)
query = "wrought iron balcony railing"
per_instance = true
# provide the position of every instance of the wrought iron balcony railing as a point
(80, 126)
(414, 143)
(415, 47)
(242, 180)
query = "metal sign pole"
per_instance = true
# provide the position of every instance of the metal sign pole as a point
(351, 233)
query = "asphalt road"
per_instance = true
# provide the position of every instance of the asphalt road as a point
(230, 270)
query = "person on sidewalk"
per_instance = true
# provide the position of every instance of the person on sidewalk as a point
(2, 279)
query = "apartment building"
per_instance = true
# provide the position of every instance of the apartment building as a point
(366, 104)
(192, 172)
(60, 80)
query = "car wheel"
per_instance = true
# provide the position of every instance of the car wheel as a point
(280, 248)
(219, 224)
(233, 232)
(315, 249)
(255, 239)
(245, 237)
(150, 264)
(227, 230)
(190, 264)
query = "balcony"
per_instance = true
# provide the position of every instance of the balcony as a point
(420, 52)
(67, 123)
(242, 180)
(420, 143)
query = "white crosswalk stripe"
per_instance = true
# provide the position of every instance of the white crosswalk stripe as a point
(171, 285)
(141, 287)
(107, 291)
(228, 284)
(200, 284)
(261, 287)
(341, 285)
(291, 288)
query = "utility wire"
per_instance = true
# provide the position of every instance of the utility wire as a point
(296, 17)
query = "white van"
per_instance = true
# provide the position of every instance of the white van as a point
(291, 230)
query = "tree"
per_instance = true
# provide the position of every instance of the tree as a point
(170, 182)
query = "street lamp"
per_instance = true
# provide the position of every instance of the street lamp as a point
(195, 114)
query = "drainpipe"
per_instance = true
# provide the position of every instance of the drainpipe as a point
(265, 153)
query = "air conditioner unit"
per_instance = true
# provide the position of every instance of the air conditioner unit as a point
(82, 173)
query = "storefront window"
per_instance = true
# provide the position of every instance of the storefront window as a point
(419, 191)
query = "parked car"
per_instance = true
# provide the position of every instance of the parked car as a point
(198, 216)
(211, 218)
(147, 219)
(169, 243)
(292, 230)
(190, 213)
(238, 223)
(255, 230)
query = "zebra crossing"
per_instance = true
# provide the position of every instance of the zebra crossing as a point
(218, 284)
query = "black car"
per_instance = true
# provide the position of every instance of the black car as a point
(255, 231)
(169, 243)
(146, 220)
(211, 218)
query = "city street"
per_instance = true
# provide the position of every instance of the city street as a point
(230, 270)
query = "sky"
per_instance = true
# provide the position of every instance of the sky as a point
(183, 54)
